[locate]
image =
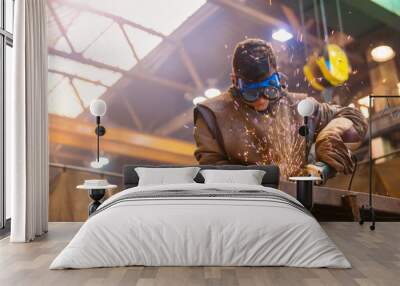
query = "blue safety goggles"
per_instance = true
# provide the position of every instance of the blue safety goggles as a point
(269, 88)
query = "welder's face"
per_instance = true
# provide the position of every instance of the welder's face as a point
(260, 104)
(258, 95)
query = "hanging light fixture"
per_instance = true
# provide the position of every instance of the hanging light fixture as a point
(382, 53)
(212, 92)
(99, 164)
(282, 35)
(198, 99)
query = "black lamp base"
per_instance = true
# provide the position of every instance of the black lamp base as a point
(96, 195)
(304, 193)
(367, 213)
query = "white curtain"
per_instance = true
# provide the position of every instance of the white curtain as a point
(26, 124)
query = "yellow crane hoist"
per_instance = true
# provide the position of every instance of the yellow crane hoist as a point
(327, 69)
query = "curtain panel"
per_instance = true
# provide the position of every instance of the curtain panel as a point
(26, 124)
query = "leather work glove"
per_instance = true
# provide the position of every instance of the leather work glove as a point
(335, 142)
(322, 170)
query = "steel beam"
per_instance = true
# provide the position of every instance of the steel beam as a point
(132, 113)
(115, 18)
(187, 61)
(132, 74)
(250, 12)
(72, 76)
(59, 25)
(120, 141)
(176, 123)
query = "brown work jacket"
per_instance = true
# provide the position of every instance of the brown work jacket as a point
(228, 131)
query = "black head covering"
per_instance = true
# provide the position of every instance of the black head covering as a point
(253, 60)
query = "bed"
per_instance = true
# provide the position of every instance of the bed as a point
(201, 224)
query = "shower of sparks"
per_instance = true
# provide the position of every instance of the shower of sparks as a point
(272, 138)
(287, 148)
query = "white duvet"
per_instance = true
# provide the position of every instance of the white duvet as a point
(188, 231)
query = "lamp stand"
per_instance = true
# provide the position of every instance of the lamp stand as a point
(304, 131)
(367, 212)
(96, 195)
(100, 131)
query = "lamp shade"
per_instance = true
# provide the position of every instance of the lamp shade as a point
(306, 107)
(98, 107)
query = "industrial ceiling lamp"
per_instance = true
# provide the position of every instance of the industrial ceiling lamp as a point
(212, 92)
(98, 108)
(198, 99)
(382, 53)
(99, 164)
(282, 35)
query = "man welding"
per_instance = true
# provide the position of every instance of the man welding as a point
(256, 122)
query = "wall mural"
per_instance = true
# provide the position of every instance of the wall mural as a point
(165, 71)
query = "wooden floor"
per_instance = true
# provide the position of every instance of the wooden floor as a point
(375, 257)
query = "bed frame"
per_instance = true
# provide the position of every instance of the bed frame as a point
(270, 179)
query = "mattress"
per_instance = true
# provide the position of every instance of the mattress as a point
(201, 225)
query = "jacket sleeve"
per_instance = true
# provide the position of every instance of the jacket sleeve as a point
(208, 149)
(338, 131)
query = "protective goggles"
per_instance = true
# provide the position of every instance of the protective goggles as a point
(269, 88)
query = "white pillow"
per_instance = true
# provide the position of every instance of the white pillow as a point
(163, 176)
(248, 177)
